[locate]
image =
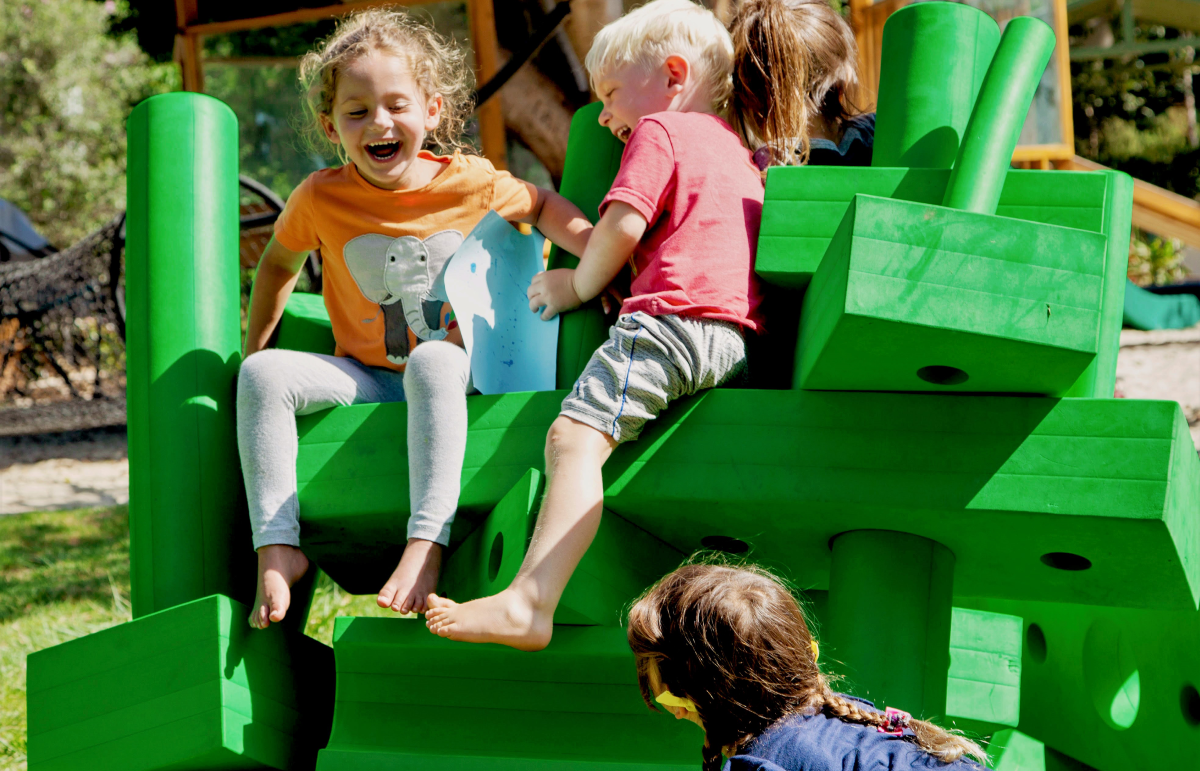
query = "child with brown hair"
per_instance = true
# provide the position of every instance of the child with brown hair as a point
(728, 648)
(383, 89)
(795, 66)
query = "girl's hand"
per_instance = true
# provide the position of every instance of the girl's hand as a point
(554, 292)
(611, 299)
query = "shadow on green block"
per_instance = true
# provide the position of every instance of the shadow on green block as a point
(622, 561)
(575, 705)
(192, 687)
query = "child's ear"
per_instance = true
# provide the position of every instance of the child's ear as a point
(678, 70)
(433, 112)
(329, 129)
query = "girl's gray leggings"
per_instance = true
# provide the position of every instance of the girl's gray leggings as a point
(275, 386)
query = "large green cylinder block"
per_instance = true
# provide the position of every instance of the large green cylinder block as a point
(889, 618)
(935, 55)
(188, 534)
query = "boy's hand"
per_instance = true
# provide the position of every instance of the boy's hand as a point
(554, 292)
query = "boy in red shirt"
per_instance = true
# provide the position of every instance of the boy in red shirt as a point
(684, 210)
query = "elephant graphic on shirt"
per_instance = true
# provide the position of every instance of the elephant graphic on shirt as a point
(406, 276)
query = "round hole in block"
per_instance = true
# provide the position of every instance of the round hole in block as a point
(1035, 641)
(1110, 674)
(939, 374)
(725, 543)
(1189, 702)
(1065, 560)
(496, 556)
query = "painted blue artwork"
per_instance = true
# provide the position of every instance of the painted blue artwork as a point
(511, 348)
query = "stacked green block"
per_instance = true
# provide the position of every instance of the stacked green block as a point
(406, 698)
(192, 687)
(1002, 481)
(918, 297)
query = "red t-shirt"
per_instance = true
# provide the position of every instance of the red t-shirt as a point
(688, 174)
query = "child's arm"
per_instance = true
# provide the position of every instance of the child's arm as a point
(273, 281)
(615, 237)
(561, 221)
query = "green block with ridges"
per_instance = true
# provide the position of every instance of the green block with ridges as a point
(983, 694)
(1011, 750)
(805, 206)
(189, 534)
(999, 480)
(593, 159)
(574, 705)
(1113, 688)
(1007, 305)
(305, 325)
(621, 562)
(190, 687)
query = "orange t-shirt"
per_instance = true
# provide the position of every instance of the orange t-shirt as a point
(383, 252)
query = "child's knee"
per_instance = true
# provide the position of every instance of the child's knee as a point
(436, 364)
(567, 436)
(262, 377)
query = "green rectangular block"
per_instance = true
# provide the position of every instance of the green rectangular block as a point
(574, 705)
(305, 325)
(621, 562)
(1000, 480)
(805, 204)
(189, 687)
(983, 692)
(917, 297)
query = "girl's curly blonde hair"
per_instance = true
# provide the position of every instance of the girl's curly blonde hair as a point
(438, 66)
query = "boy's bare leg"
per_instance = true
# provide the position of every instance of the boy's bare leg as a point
(414, 579)
(523, 614)
(279, 567)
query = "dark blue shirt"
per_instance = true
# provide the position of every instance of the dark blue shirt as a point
(854, 149)
(820, 743)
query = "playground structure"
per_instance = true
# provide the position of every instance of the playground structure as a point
(988, 538)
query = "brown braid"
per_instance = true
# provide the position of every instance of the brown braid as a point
(735, 641)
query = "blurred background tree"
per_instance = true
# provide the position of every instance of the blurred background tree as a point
(67, 84)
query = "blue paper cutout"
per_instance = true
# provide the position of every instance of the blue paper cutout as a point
(510, 347)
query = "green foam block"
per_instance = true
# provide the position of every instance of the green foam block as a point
(983, 694)
(805, 206)
(917, 297)
(622, 561)
(1000, 480)
(575, 705)
(1114, 688)
(305, 325)
(190, 687)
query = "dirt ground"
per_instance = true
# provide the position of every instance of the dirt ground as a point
(90, 468)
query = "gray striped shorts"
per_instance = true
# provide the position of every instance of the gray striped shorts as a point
(648, 362)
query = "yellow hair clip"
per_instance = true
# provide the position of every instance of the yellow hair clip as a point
(668, 699)
(816, 649)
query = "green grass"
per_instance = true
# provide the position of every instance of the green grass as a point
(65, 574)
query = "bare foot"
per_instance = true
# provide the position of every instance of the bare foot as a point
(279, 567)
(507, 618)
(414, 579)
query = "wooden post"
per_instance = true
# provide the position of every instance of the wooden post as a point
(491, 118)
(188, 47)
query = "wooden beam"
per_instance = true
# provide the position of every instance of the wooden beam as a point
(187, 47)
(492, 137)
(1133, 49)
(293, 17)
(1062, 60)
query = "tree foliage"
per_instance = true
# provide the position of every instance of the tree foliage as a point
(66, 88)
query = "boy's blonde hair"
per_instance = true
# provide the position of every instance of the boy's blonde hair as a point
(438, 67)
(649, 34)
